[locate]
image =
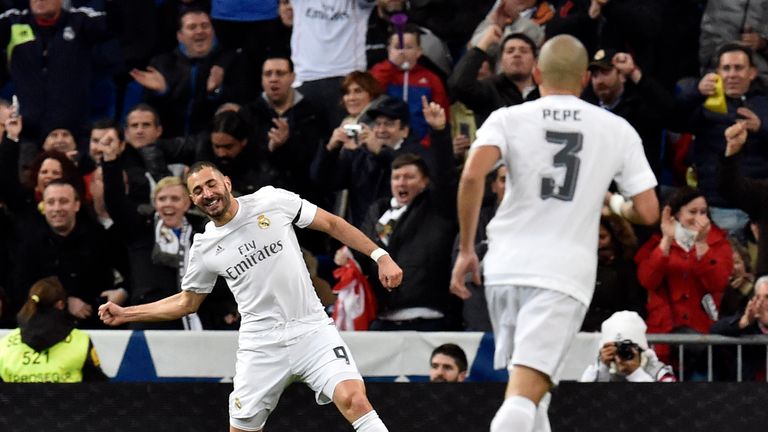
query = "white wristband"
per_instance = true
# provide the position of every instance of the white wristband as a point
(378, 253)
(615, 203)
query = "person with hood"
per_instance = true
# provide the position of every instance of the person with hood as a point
(625, 355)
(46, 347)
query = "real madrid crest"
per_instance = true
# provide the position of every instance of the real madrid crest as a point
(238, 405)
(263, 222)
(69, 33)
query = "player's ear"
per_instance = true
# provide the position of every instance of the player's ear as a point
(537, 75)
(586, 77)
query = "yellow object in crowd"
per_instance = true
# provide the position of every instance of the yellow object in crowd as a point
(716, 102)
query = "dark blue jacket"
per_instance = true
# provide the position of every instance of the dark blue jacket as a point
(51, 67)
(708, 150)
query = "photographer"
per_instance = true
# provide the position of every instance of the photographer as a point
(624, 353)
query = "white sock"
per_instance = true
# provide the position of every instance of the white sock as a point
(541, 424)
(369, 422)
(515, 414)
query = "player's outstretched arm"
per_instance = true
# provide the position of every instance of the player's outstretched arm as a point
(390, 273)
(471, 187)
(167, 309)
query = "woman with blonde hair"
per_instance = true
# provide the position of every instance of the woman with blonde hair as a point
(46, 347)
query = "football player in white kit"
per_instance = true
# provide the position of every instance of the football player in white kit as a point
(285, 334)
(562, 154)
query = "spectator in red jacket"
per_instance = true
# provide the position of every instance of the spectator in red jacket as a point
(402, 77)
(685, 269)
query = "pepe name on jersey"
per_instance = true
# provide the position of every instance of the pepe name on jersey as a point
(252, 256)
(561, 114)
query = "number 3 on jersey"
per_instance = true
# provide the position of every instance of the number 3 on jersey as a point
(568, 158)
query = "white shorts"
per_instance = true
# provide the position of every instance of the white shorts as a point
(533, 327)
(270, 360)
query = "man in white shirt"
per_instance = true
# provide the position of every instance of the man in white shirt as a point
(327, 43)
(285, 334)
(562, 154)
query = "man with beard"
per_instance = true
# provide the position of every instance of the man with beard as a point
(157, 242)
(619, 86)
(511, 86)
(448, 363)
(286, 335)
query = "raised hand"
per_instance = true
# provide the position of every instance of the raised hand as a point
(151, 79)
(707, 84)
(491, 36)
(434, 114)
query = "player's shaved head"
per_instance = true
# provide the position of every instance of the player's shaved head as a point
(562, 65)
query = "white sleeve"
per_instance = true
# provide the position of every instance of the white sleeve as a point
(635, 175)
(639, 375)
(491, 133)
(589, 375)
(197, 277)
(298, 211)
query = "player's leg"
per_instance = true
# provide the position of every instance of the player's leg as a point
(539, 324)
(541, 424)
(351, 400)
(325, 363)
(526, 388)
(261, 375)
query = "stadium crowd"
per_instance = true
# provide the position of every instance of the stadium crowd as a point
(106, 102)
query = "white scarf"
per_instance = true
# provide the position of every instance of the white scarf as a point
(172, 250)
(386, 223)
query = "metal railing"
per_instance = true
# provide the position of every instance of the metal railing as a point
(681, 340)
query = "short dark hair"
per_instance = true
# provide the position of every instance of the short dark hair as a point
(278, 57)
(411, 159)
(64, 182)
(108, 123)
(523, 37)
(683, 196)
(184, 11)
(735, 46)
(199, 166)
(147, 108)
(410, 28)
(453, 351)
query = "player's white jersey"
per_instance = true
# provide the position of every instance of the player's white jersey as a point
(562, 154)
(258, 255)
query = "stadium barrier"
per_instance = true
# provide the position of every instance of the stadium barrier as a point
(405, 407)
(155, 355)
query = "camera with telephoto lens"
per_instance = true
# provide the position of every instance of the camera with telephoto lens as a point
(352, 130)
(626, 349)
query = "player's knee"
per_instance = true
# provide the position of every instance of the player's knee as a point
(351, 399)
